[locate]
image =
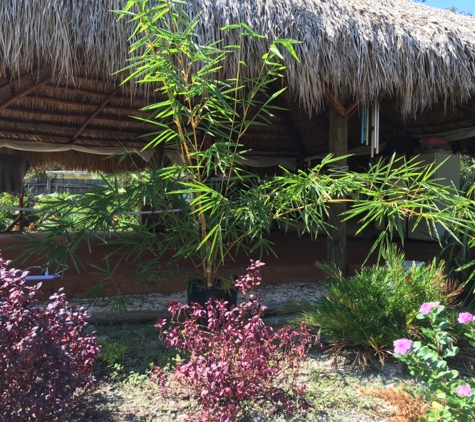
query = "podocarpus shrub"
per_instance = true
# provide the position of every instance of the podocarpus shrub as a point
(233, 357)
(45, 352)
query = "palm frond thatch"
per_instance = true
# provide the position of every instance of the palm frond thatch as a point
(362, 49)
(415, 59)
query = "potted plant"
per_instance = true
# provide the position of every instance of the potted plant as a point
(203, 202)
(201, 118)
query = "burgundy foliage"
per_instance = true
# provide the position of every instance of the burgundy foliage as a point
(45, 352)
(233, 355)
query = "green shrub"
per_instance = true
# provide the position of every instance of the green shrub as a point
(7, 216)
(112, 353)
(377, 305)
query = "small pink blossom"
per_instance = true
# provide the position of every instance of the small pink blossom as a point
(427, 307)
(465, 317)
(402, 346)
(464, 390)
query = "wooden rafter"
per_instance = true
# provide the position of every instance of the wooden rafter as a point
(290, 124)
(26, 75)
(93, 115)
(339, 107)
(90, 93)
(24, 92)
(437, 127)
(5, 134)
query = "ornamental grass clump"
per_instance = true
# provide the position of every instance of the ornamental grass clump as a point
(45, 352)
(233, 358)
(427, 360)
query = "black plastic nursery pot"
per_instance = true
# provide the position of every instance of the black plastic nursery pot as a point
(201, 295)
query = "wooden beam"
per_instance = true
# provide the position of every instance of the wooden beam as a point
(285, 115)
(352, 107)
(13, 224)
(338, 146)
(24, 92)
(65, 139)
(26, 75)
(116, 131)
(95, 142)
(140, 316)
(93, 115)
(73, 90)
(339, 107)
(36, 135)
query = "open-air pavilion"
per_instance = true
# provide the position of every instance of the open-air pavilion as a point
(62, 102)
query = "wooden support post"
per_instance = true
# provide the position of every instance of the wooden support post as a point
(12, 225)
(338, 146)
(20, 213)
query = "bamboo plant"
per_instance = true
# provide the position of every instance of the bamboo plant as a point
(202, 197)
(200, 119)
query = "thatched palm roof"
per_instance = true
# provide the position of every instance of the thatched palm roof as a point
(57, 59)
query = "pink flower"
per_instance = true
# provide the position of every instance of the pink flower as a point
(426, 308)
(465, 317)
(402, 346)
(464, 390)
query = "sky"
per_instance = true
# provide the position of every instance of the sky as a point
(461, 5)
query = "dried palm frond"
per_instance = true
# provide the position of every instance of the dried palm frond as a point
(452, 290)
(355, 357)
(408, 408)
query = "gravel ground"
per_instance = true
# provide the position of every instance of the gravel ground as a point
(271, 294)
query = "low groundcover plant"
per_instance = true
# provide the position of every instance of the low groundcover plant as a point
(455, 398)
(232, 356)
(45, 352)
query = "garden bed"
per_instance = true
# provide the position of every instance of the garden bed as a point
(341, 393)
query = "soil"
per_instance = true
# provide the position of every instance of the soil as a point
(336, 390)
(343, 393)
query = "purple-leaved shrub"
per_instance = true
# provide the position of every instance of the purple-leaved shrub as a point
(45, 352)
(232, 356)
